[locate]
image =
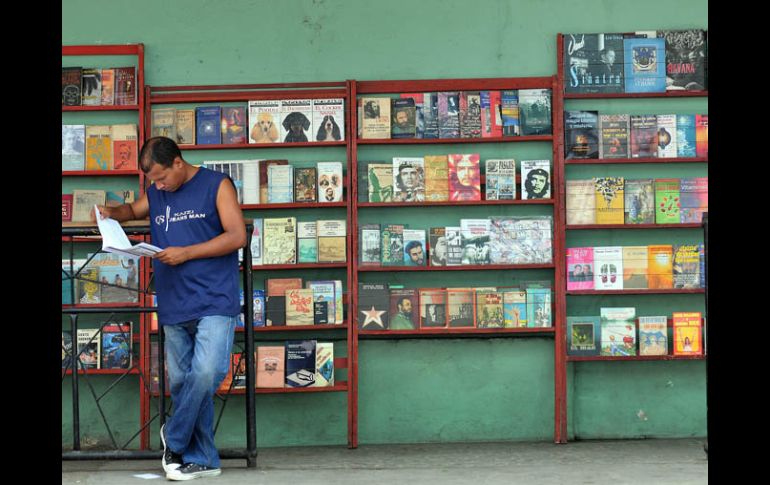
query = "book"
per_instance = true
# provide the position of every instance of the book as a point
(660, 266)
(644, 136)
(91, 88)
(500, 183)
(207, 125)
(430, 114)
(644, 65)
(464, 177)
(296, 124)
(520, 240)
(432, 307)
(408, 179)
(185, 126)
(264, 118)
(470, 114)
(392, 245)
(460, 307)
(339, 305)
(475, 241)
(608, 268)
(437, 245)
(362, 179)
(584, 336)
(83, 202)
(685, 59)
(275, 302)
(402, 118)
(114, 239)
(234, 124)
(237, 372)
(491, 121)
(300, 363)
(87, 286)
(687, 333)
(88, 348)
(581, 134)
(66, 207)
(536, 179)
(116, 346)
(454, 243)
(593, 63)
(125, 86)
(324, 291)
(403, 309)
(667, 203)
(258, 307)
(320, 313)
(375, 122)
(580, 202)
(164, 122)
(329, 119)
(324, 364)
(280, 184)
(489, 309)
(414, 247)
(509, 110)
(380, 178)
(271, 365)
(264, 165)
(535, 111)
(280, 240)
(108, 87)
(618, 331)
(419, 113)
(614, 131)
(580, 264)
(330, 182)
(332, 241)
(299, 306)
(307, 242)
(98, 147)
(693, 198)
(448, 114)
(66, 349)
(609, 200)
(702, 136)
(686, 137)
(118, 275)
(73, 147)
(514, 308)
(373, 303)
(244, 175)
(653, 335)
(639, 203)
(369, 241)
(70, 86)
(124, 147)
(666, 136)
(685, 266)
(305, 184)
(436, 178)
(635, 267)
(539, 308)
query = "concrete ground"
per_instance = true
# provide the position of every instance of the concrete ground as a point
(679, 461)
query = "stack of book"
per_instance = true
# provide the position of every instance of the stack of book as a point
(98, 147)
(287, 303)
(98, 87)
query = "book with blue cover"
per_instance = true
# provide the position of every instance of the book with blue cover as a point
(259, 309)
(300, 363)
(208, 130)
(509, 107)
(645, 65)
(539, 307)
(686, 142)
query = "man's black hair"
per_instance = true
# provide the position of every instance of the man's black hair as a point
(412, 245)
(160, 150)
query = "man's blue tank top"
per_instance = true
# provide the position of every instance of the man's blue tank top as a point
(198, 287)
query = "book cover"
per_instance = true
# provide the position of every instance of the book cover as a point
(380, 178)
(66, 207)
(653, 335)
(87, 286)
(581, 134)
(373, 303)
(608, 268)
(184, 126)
(324, 291)
(539, 308)
(666, 136)
(117, 276)
(686, 139)
(609, 200)
(635, 267)
(432, 308)
(238, 370)
(207, 125)
(83, 202)
(614, 130)
(271, 365)
(535, 111)
(520, 240)
(475, 241)
(454, 244)
(460, 304)
(437, 245)
(618, 331)
(402, 119)
(320, 313)
(491, 122)
(489, 309)
(91, 88)
(639, 203)
(509, 110)
(584, 336)
(307, 242)
(392, 245)
(470, 114)
(593, 63)
(125, 86)
(685, 59)
(436, 178)
(88, 348)
(500, 179)
(685, 266)
(280, 184)
(116, 346)
(448, 114)
(414, 247)
(430, 113)
(644, 65)
(687, 333)
(369, 245)
(514, 308)
(258, 306)
(264, 119)
(419, 112)
(330, 182)
(660, 266)
(536, 179)
(164, 122)
(329, 119)
(667, 201)
(376, 118)
(124, 147)
(300, 363)
(644, 136)
(324, 364)
(233, 125)
(362, 169)
(263, 182)
(693, 197)
(296, 120)
(299, 307)
(280, 240)
(108, 87)
(98, 147)
(580, 264)
(332, 241)
(66, 349)
(339, 306)
(403, 309)
(702, 136)
(408, 179)
(464, 177)
(73, 147)
(70, 86)
(305, 188)
(581, 202)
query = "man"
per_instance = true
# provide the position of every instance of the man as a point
(401, 124)
(403, 319)
(408, 187)
(195, 217)
(416, 255)
(536, 184)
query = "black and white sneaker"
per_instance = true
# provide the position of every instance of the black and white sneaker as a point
(170, 461)
(191, 471)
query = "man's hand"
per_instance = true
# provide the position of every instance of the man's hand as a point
(173, 255)
(104, 212)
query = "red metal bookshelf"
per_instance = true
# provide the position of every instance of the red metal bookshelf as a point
(653, 291)
(632, 226)
(464, 267)
(618, 161)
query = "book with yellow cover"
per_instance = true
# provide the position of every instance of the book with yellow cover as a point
(659, 266)
(332, 241)
(609, 200)
(280, 240)
(635, 263)
(98, 147)
(581, 202)
(436, 178)
(687, 333)
(299, 306)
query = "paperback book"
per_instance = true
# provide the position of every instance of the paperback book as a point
(583, 336)
(618, 331)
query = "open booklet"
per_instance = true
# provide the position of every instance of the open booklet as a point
(114, 239)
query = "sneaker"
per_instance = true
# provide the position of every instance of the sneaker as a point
(170, 461)
(191, 471)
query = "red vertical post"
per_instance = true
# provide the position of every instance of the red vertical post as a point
(353, 267)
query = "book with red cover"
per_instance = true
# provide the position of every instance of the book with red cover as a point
(234, 125)
(702, 136)
(125, 86)
(464, 177)
(66, 207)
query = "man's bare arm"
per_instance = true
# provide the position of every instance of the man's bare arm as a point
(136, 210)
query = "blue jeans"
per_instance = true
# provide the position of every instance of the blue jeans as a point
(198, 357)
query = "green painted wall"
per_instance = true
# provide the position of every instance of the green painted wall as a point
(416, 390)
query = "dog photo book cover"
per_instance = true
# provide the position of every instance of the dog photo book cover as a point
(263, 121)
(329, 119)
(296, 125)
